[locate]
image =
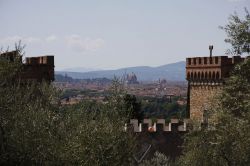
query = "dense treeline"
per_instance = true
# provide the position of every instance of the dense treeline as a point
(36, 130)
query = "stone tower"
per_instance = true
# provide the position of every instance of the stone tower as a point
(206, 76)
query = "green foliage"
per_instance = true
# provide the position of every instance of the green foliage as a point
(36, 130)
(117, 99)
(28, 120)
(132, 104)
(238, 33)
(159, 159)
(237, 89)
(158, 108)
(69, 93)
(96, 138)
(29, 125)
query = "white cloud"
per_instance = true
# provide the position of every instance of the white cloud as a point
(51, 38)
(26, 39)
(78, 43)
(10, 40)
(75, 42)
(32, 40)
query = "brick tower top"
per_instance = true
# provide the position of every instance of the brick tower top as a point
(210, 69)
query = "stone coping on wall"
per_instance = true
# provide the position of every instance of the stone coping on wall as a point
(157, 125)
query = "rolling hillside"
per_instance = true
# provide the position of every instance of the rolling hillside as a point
(173, 71)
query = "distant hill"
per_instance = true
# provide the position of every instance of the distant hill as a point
(173, 72)
(80, 69)
(66, 78)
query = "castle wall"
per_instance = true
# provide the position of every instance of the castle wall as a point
(201, 97)
(159, 135)
(38, 73)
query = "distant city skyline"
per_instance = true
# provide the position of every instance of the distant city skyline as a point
(111, 34)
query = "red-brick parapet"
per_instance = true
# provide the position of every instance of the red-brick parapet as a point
(210, 69)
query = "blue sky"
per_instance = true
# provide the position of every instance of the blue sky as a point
(110, 34)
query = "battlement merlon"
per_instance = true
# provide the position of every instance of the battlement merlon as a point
(41, 60)
(215, 61)
(160, 125)
(213, 68)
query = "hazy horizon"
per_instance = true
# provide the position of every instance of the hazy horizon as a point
(99, 69)
(117, 34)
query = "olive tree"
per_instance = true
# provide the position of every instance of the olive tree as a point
(238, 33)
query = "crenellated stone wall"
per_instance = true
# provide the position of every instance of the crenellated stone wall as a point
(160, 125)
(158, 135)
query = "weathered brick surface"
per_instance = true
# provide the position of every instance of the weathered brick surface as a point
(201, 97)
